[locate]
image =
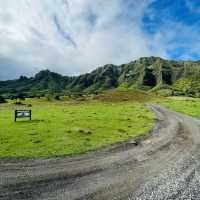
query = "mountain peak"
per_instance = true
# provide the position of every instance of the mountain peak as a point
(46, 73)
(43, 72)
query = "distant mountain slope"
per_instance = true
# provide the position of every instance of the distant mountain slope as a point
(147, 73)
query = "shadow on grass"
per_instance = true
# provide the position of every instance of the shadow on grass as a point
(29, 121)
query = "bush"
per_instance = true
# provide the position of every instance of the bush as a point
(165, 92)
(19, 103)
(57, 97)
(48, 97)
(2, 100)
(19, 96)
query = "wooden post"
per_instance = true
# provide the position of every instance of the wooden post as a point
(15, 115)
(30, 114)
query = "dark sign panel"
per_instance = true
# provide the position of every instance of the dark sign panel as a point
(22, 114)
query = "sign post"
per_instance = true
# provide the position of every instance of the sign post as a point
(23, 114)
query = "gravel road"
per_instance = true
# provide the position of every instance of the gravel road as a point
(163, 165)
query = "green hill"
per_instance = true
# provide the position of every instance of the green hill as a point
(153, 74)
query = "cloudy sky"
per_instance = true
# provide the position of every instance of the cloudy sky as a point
(76, 36)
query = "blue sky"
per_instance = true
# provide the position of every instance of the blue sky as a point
(76, 36)
(180, 18)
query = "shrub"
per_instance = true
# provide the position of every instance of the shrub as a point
(19, 96)
(19, 103)
(2, 100)
(48, 97)
(57, 97)
(165, 92)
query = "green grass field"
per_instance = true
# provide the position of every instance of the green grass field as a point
(186, 105)
(68, 127)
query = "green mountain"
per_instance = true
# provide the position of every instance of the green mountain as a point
(152, 74)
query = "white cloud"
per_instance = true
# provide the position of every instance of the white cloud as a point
(73, 36)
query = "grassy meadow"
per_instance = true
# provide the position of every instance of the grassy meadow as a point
(70, 127)
(186, 105)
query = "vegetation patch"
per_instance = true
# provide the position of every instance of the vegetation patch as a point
(186, 105)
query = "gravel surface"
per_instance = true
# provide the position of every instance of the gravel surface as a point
(163, 165)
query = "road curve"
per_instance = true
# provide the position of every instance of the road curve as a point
(163, 165)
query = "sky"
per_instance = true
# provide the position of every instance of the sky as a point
(72, 37)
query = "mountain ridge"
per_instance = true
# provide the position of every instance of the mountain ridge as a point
(147, 73)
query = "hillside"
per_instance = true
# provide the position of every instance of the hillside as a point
(148, 73)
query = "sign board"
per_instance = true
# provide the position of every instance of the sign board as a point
(22, 114)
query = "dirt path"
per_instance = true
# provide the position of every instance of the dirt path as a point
(164, 165)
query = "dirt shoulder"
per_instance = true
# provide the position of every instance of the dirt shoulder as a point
(133, 170)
